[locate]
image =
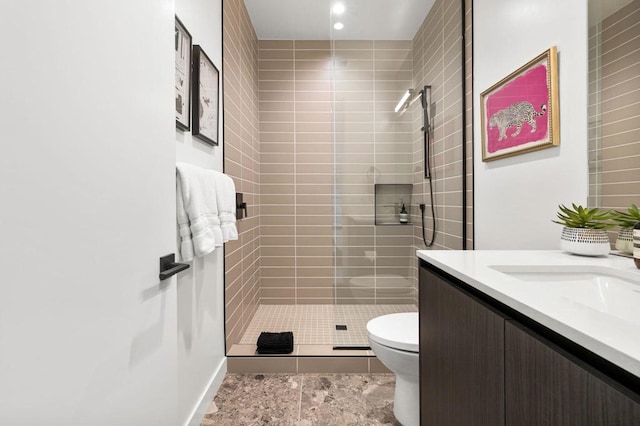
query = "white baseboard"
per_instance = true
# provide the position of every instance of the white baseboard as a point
(205, 400)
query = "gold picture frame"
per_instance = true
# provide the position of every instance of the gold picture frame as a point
(520, 113)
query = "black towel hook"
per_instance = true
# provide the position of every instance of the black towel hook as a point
(169, 267)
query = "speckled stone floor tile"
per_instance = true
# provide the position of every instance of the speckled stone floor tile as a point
(303, 400)
(256, 399)
(347, 399)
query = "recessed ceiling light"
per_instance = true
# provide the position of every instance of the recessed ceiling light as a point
(338, 25)
(338, 8)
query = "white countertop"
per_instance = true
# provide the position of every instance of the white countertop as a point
(612, 336)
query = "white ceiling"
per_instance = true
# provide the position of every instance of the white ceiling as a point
(363, 19)
(313, 20)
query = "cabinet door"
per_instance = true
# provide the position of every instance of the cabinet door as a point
(545, 387)
(461, 357)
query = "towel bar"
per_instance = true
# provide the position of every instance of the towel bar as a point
(169, 267)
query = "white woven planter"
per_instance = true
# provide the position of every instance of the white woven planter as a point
(585, 242)
(624, 243)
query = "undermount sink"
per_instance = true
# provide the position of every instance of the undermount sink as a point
(563, 273)
(613, 292)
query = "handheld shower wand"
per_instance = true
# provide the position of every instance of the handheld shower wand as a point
(425, 99)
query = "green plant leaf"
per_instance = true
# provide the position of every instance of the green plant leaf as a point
(627, 219)
(583, 217)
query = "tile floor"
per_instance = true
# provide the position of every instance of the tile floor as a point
(316, 324)
(303, 400)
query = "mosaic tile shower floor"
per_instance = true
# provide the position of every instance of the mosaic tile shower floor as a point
(316, 324)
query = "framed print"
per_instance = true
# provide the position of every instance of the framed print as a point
(520, 112)
(183, 76)
(205, 97)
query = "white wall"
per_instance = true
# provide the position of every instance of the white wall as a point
(201, 350)
(88, 334)
(516, 198)
(87, 331)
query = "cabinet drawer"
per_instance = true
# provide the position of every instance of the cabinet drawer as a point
(545, 386)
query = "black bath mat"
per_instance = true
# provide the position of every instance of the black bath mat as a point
(275, 343)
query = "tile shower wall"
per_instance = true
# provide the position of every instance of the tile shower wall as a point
(297, 172)
(437, 58)
(614, 112)
(310, 98)
(242, 163)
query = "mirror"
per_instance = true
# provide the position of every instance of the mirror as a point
(614, 103)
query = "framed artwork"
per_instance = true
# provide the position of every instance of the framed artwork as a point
(520, 112)
(183, 76)
(205, 97)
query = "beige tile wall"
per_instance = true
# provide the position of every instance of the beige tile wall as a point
(437, 62)
(328, 134)
(297, 172)
(614, 109)
(242, 163)
(437, 57)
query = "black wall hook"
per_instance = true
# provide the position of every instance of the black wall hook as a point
(241, 206)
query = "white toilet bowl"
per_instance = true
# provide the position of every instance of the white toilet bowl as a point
(394, 340)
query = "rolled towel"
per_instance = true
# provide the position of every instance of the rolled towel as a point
(275, 343)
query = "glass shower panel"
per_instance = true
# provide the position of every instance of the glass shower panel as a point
(373, 145)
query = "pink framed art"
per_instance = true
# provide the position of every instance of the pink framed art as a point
(520, 112)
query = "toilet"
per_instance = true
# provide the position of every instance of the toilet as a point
(394, 340)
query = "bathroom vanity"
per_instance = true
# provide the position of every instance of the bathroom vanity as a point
(528, 338)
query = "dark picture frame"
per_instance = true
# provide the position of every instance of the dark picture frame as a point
(205, 97)
(520, 113)
(183, 45)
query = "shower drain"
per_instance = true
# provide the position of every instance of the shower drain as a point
(341, 327)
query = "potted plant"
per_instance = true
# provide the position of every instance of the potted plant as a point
(584, 231)
(626, 221)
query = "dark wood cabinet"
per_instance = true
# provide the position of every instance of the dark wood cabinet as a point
(479, 365)
(461, 357)
(544, 386)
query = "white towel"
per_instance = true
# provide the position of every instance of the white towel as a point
(226, 195)
(197, 211)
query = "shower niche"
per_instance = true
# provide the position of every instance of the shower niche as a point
(393, 203)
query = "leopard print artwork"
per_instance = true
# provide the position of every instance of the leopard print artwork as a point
(515, 115)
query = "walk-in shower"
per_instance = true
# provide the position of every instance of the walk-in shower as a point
(351, 181)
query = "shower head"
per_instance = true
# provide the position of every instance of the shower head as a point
(409, 97)
(404, 101)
